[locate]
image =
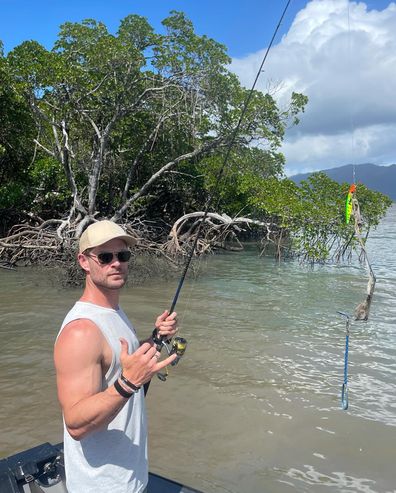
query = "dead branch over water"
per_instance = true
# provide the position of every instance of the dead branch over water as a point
(362, 311)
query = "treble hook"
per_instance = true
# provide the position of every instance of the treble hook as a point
(344, 392)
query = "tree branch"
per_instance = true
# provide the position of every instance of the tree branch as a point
(171, 164)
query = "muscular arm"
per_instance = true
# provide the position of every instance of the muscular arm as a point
(79, 353)
(78, 357)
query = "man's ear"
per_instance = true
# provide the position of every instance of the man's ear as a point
(83, 261)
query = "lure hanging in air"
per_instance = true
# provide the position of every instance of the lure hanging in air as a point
(348, 204)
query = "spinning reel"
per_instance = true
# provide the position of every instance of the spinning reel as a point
(178, 347)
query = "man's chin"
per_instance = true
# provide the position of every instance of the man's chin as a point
(117, 281)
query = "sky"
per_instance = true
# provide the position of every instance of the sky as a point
(340, 53)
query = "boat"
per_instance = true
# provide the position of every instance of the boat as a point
(41, 470)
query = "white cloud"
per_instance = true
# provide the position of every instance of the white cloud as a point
(343, 57)
(369, 144)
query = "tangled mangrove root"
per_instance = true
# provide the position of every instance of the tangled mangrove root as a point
(54, 243)
(46, 243)
(29, 244)
(219, 232)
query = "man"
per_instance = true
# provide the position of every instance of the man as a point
(101, 368)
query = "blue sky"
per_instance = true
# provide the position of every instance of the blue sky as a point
(338, 52)
(243, 26)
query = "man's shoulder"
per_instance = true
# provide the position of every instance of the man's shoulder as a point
(79, 338)
(80, 330)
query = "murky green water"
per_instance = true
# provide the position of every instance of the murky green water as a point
(255, 405)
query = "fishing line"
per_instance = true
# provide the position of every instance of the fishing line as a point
(361, 312)
(348, 211)
(344, 390)
(351, 120)
(160, 341)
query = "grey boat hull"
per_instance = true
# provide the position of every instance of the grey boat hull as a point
(41, 470)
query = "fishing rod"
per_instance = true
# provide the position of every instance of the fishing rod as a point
(179, 343)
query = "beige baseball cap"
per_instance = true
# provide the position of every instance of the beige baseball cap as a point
(101, 232)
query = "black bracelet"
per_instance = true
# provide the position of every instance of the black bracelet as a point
(121, 390)
(129, 384)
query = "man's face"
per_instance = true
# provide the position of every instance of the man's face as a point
(112, 275)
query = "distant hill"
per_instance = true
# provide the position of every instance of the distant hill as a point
(379, 178)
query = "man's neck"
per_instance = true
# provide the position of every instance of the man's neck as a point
(108, 298)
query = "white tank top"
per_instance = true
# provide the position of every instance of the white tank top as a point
(113, 459)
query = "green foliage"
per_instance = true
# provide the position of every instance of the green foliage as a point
(114, 109)
(16, 146)
(139, 123)
(373, 205)
(246, 167)
(313, 214)
(48, 187)
(26, 183)
(11, 195)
